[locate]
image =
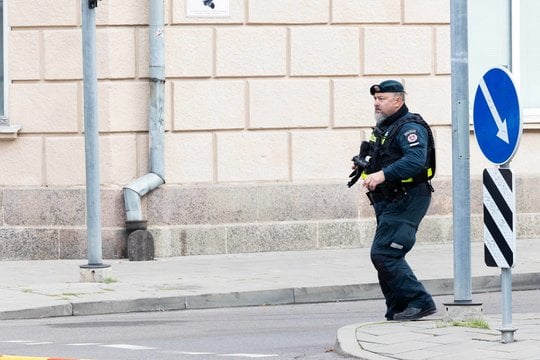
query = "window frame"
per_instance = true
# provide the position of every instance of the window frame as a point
(7, 130)
(4, 116)
(530, 115)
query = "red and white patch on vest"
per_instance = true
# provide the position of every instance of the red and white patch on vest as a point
(412, 138)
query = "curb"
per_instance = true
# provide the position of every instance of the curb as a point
(347, 345)
(302, 295)
(346, 342)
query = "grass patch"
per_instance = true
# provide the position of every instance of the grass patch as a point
(109, 280)
(473, 323)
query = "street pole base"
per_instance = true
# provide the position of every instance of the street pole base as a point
(507, 335)
(463, 311)
(94, 273)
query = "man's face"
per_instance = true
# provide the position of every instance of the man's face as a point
(386, 104)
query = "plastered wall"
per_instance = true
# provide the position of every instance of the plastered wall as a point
(275, 97)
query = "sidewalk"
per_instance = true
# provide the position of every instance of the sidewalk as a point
(33, 289)
(433, 339)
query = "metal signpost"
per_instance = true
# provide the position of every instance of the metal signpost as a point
(91, 136)
(498, 128)
(460, 158)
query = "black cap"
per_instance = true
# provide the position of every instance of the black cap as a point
(386, 86)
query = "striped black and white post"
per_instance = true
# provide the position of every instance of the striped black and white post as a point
(500, 236)
(499, 217)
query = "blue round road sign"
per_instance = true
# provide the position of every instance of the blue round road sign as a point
(497, 116)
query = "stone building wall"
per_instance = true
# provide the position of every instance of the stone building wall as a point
(264, 110)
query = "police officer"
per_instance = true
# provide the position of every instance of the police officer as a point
(397, 177)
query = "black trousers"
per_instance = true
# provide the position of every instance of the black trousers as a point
(397, 224)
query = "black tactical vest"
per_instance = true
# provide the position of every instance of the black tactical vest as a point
(380, 153)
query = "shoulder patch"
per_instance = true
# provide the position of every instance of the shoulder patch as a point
(411, 135)
(412, 138)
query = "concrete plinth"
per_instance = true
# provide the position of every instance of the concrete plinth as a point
(507, 335)
(463, 311)
(95, 274)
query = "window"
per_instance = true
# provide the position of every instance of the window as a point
(7, 131)
(2, 65)
(489, 41)
(526, 61)
(502, 33)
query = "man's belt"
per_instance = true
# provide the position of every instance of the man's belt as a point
(390, 192)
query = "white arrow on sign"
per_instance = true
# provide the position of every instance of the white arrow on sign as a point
(501, 124)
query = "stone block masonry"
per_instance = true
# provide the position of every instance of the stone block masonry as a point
(42, 223)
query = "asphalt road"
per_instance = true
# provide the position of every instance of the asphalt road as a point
(268, 332)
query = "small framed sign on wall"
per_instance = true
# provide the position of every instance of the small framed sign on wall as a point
(208, 8)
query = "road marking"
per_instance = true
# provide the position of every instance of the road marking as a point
(138, 347)
(17, 341)
(128, 347)
(249, 355)
(17, 357)
(188, 352)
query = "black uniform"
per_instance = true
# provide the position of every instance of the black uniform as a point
(400, 203)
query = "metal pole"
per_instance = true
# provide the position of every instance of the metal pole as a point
(507, 330)
(91, 134)
(460, 152)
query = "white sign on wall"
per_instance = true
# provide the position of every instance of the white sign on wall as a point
(207, 8)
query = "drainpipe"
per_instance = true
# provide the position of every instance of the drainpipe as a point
(156, 176)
